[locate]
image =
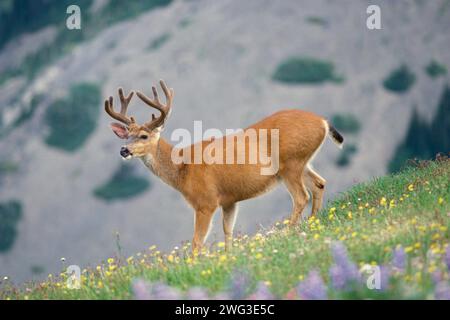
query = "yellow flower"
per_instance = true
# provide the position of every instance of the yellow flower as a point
(409, 249)
(349, 215)
(100, 284)
(189, 260)
(110, 260)
(223, 258)
(258, 256)
(417, 245)
(441, 200)
(153, 247)
(130, 259)
(374, 221)
(392, 203)
(221, 244)
(286, 221)
(330, 217)
(112, 267)
(354, 234)
(332, 210)
(383, 201)
(170, 258)
(411, 187)
(301, 277)
(206, 272)
(316, 236)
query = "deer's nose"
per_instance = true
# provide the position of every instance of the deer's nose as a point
(124, 152)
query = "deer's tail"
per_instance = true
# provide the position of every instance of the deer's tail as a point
(335, 135)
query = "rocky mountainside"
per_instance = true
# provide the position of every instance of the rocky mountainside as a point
(220, 57)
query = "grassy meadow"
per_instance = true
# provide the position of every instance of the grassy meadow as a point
(398, 222)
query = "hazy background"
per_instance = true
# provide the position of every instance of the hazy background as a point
(64, 191)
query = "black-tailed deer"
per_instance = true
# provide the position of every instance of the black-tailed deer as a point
(206, 186)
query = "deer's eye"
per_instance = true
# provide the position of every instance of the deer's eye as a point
(144, 137)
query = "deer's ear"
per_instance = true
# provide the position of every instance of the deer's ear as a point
(120, 130)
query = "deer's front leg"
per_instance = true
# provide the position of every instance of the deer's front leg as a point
(202, 225)
(229, 218)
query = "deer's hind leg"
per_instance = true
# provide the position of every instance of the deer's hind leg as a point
(294, 181)
(316, 184)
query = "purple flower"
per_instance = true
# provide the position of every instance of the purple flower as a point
(312, 288)
(385, 277)
(436, 276)
(262, 292)
(344, 272)
(399, 258)
(197, 293)
(161, 291)
(239, 285)
(141, 290)
(442, 291)
(447, 257)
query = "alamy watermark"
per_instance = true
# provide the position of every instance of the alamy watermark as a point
(237, 146)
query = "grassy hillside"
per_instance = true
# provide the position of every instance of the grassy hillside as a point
(399, 222)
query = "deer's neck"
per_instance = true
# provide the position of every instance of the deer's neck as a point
(159, 161)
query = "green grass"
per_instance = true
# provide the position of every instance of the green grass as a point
(410, 209)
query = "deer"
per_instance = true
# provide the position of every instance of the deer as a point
(206, 186)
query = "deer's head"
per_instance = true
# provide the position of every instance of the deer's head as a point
(141, 139)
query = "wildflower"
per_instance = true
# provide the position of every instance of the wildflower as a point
(197, 293)
(238, 285)
(221, 244)
(63, 260)
(372, 210)
(151, 248)
(344, 271)
(383, 201)
(411, 187)
(409, 249)
(223, 258)
(316, 236)
(330, 216)
(286, 221)
(262, 292)
(141, 290)
(100, 284)
(332, 210)
(399, 258)
(441, 200)
(312, 288)
(130, 259)
(161, 291)
(110, 260)
(392, 203)
(258, 256)
(442, 291)
(447, 257)
(349, 215)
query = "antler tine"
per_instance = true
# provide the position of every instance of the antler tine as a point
(124, 101)
(156, 122)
